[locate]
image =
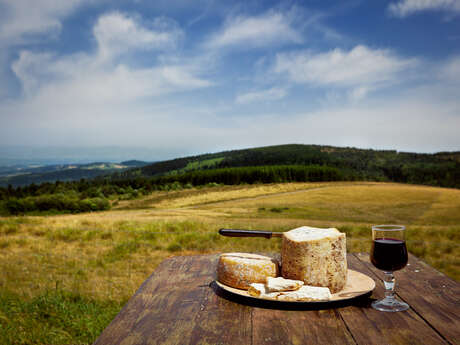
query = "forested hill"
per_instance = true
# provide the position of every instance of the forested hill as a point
(440, 169)
(285, 163)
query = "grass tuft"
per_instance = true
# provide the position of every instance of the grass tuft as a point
(65, 235)
(174, 247)
(121, 251)
(53, 317)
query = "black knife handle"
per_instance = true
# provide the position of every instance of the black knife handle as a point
(245, 233)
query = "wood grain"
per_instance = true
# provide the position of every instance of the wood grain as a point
(164, 309)
(299, 327)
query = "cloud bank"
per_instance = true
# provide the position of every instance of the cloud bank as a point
(360, 69)
(405, 8)
(105, 76)
(70, 97)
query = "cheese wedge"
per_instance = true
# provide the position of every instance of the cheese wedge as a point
(315, 256)
(240, 270)
(281, 284)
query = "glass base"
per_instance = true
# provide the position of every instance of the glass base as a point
(389, 304)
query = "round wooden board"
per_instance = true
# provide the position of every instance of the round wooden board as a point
(357, 284)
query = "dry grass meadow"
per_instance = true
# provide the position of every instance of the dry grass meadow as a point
(105, 256)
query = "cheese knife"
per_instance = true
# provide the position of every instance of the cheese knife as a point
(249, 233)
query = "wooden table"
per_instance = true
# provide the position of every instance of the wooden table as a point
(180, 304)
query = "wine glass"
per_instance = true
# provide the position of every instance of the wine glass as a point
(389, 254)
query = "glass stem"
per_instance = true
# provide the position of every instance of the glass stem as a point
(389, 282)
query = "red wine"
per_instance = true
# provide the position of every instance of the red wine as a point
(389, 254)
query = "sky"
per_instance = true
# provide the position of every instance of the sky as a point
(168, 78)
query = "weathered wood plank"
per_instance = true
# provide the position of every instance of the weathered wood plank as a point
(164, 308)
(369, 326)
(299, 327)
(431, 294)
(221, 321)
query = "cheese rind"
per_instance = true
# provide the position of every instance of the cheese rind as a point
(239, 270)
(315, 256)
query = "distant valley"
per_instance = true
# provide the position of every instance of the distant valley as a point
(24, 174)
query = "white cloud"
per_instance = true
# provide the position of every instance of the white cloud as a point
(119, 85)
(450, 70)
(361, 69)
(359, 93)
(271, 94)
(117, 33)
(21, 18)
(257, 31)
(28, 69)
(96, 78)
(404, 8)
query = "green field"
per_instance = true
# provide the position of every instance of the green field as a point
(63, 278)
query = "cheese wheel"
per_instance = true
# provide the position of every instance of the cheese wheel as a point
(240, 270)
(316, 256)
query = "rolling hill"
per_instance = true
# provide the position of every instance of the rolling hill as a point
(282, 163)
(441, 169)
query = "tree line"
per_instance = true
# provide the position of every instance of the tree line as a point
(441, 169)
(99, 193)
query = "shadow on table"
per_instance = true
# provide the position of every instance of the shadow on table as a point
(363, 301)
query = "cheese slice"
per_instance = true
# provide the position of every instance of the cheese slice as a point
(240, 270)
(281, 284)
(306, 293)
(260, 290)
(256, 289)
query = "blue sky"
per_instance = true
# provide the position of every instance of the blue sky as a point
(185, 77)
